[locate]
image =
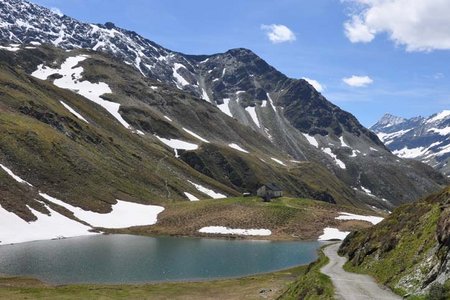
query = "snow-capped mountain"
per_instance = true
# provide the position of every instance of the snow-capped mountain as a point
(424, 139)
(229, 120)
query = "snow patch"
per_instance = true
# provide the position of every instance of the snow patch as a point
(224, 107)
(73, 111)
(333, 234)
(343, 143)
(46, 227)
(235, 231)
(278, 161)
(14, 176)
(71, 80)
(312, 140)
(180, 81)
(196, 135)
(237, 147)
(338, 162)
(252, 112)
(123, 215)
(191, 197)
(207, 191)
(348, 216)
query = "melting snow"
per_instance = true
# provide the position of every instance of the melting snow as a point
(224, 107)
(270, 101)
(123, 215)
(180, 79)
(252, 112)
(205, 95)
(338, 162)
(410, 153)
(347, 216)
(71, 79)
(237, 231)
(237, 147)
(312, 140)
(11, 48)
(278, 161)
(17, 230)
(441, 131)
(207, 191)
(72, 111)
(191, 197)
(177, 144)
(343, 143)
(14, 176)
(167, 118)
(196, 135)
(333, 234)
(440, 116)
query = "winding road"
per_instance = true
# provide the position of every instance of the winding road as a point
(352, 286)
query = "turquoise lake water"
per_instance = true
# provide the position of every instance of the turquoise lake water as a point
(137, 259)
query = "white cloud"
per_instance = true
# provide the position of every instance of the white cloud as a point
(357, 81)
(357, 31)
(420, 25)
(278, 33)
(319, 87)
(57, 11)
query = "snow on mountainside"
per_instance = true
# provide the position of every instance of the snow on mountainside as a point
(424, 139)
(214, 112)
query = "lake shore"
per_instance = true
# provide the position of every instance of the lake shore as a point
(269, 286)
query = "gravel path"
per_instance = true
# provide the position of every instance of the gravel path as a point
(351, 286)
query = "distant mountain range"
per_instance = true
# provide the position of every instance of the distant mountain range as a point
(91, 113)
(424, 139)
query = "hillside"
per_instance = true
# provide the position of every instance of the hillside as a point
(409, 251)
(98, 118)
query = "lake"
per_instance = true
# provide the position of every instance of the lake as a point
(107, 259)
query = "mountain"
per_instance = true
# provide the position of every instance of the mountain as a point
(424, 139)
(409, 250)
(93, 113)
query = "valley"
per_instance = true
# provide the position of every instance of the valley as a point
(133, 170)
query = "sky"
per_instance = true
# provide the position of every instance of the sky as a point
(369, 57)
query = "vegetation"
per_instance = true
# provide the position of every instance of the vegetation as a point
(270, 286)
(287, 218)
(406, 250)
(312, 284)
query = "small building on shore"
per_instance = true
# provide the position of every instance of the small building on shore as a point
(269, 191)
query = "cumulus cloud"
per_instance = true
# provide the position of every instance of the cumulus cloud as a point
(357, 81)
(419, 25)
(319, 87)
(278, 33)
(57, 11)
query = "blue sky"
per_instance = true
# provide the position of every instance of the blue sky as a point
(409, 67)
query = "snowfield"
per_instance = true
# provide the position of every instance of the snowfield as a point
(123, 214)
(14, 229)
(71, 80)
(237, 231)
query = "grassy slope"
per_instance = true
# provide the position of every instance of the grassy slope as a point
(401, 251)
(288, 218)
(312, 284)
(253, 287)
